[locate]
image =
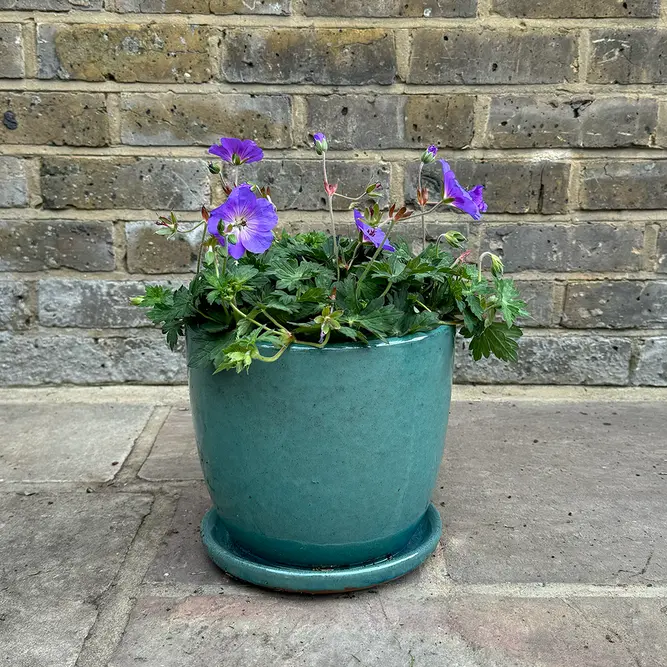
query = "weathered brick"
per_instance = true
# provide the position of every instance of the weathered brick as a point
(94, 183)
(391, 8)
(392, 121)
(651, 367)
(298, 184)
(358, 121)
(619, 304)
(443, 120)
(500, 56)
(52, 5)
(566, 247)
(58, 119)
(93, 304)
(545, 122)
(11, 51)
(149, 253)
(343, 56)
(628, 56)
(662, 251)
(204, 6)
(539, 298)
(550, 359)
(624, 184)
(154, 53)
(15, 306)
(36, 360)
(511, 187)
(14, 190)
(169, 119)
(55, 244)
(563, 9)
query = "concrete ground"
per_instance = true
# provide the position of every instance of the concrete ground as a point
(554, 503)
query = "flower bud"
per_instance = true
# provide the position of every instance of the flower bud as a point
(214, 168)
(429, 154)
(455, 239)
(497, 267)
(321, 144)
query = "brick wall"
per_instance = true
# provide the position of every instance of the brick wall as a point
(559, 106)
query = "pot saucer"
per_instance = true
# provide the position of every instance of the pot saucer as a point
(241, 564)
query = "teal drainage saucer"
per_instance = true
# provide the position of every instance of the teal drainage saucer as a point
(243, 565)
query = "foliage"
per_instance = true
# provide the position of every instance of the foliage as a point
(291, 293)
(316, 289)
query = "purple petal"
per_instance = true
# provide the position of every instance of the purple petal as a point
(264, 217)
(236, 250)
(237, 151)
(477, 195)
(372, 234)
(318, 136)
(255, 242)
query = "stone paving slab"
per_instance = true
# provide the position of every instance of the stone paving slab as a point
(78, 443)
(36, 633)
(68, 545)
(364, 629)
(174, 454)
(182, 557)
(555, 493)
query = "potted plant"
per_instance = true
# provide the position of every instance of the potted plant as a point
(321, 451)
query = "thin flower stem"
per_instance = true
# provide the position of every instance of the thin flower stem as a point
(386, 289)
(479, 264)
(275, 357)
(331, 215)
(236, 176)
(192, 229)
(280, 326)
(375, 255)
(245, 317)
(201, 248)
(320, 345)
(354, 253)
(421, 206)
(424, 306)
(224, 263)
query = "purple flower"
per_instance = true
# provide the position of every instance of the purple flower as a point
(429, 154)
(321, 143)
(373, 234)
(455, 195)
(477, 194)
(249, 218)
(237, 151)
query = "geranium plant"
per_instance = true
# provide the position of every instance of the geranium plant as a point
(256, 289)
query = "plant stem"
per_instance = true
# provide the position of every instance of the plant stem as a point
(386, 289)
(320, 345)
(479, 264)
(425, 307)
(275, 357)
(331, 215)
(199, 254)
(375, 255)
(245, 317)
(192, 229)
(421, 206)
(280, 326)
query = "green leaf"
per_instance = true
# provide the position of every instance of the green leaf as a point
(509, 301)
(496, 339)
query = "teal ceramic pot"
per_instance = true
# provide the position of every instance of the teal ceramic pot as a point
(325, 459)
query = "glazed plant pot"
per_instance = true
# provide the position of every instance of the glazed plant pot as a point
(321, 465)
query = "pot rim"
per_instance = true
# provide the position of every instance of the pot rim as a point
(374, 342)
